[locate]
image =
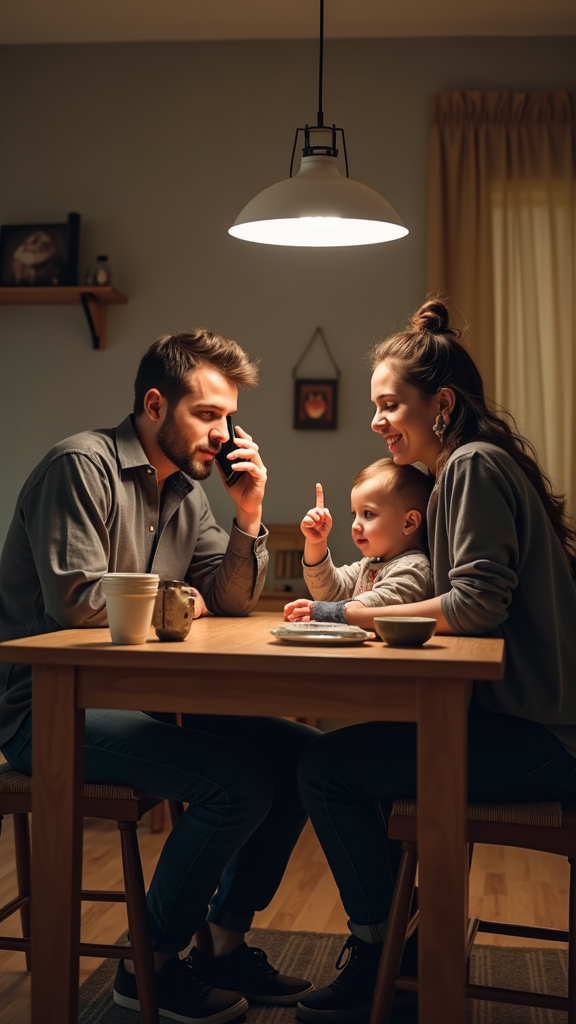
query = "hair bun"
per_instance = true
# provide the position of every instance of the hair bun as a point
(433, 317)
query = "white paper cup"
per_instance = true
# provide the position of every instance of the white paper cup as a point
(130, 582)
(130, 601)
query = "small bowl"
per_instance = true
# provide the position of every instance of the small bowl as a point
(404, 632)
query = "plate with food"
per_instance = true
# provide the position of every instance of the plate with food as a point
(321, 633)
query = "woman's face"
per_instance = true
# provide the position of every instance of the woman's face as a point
(405, 417)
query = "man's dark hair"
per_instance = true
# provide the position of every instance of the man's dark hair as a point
(168, 362)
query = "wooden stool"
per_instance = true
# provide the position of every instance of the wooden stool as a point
(549, 827)
(115, 803)
(175, 811)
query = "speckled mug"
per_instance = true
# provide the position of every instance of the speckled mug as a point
(174, 610)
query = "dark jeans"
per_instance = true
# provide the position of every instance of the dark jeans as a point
(344, 775)
(245, 814)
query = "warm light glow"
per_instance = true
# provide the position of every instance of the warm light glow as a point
(318, 231)
(318, 207)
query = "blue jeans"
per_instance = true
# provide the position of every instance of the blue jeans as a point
(349, 778)
(226, 856)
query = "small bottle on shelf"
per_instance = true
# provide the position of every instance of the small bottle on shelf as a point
(102, 275)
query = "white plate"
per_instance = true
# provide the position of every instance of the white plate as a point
(322, 633)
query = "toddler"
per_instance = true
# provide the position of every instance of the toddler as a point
(389, 509)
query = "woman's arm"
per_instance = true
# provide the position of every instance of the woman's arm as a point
(476, 551)
(358, 615)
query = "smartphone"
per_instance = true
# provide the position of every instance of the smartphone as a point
(227, 467)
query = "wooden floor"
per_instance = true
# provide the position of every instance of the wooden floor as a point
(506, 884)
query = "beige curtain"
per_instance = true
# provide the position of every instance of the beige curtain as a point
(502, 247)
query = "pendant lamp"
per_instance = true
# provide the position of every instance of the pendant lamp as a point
(318, 206)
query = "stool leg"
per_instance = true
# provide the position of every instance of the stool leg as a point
(157, 818)
(572, 944)
(469, 957)
(176, 807)
(138, 922)
(22, 847)
(395, 938)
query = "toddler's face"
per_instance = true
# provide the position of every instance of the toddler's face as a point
(378, 521)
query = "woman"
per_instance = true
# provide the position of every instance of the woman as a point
(503, 557)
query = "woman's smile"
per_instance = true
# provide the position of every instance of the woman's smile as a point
(392, 440)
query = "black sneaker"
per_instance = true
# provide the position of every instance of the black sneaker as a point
(181, 995)
(350, 996)
(247, 971)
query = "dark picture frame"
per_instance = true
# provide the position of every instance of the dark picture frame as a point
(39, 255)
(315, 404)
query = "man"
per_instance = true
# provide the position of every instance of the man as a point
(128, 500)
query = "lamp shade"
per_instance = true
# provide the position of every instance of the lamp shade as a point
(318, 207)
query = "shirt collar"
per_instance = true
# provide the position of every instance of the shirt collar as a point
(131, 455)
(130, 452)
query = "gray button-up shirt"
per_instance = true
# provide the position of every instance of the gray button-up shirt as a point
(90, 507)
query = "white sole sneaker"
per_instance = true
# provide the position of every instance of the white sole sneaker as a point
(287, 1000)
(230, 1013)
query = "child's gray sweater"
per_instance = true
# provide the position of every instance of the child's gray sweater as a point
(400, 580)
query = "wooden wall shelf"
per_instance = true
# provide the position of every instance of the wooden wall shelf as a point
(93, 298)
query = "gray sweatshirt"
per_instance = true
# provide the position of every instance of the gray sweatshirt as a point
(400, 580)
(90, 507)
(502, 571)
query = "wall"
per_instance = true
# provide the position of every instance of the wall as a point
(159, 146)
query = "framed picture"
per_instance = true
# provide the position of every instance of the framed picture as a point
(34, 255)
(315, 404)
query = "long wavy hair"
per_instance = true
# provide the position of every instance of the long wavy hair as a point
(429, 356)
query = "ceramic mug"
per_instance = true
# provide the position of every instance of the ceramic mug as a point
(174, 610)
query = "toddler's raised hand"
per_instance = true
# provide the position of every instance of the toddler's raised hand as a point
(317, 522)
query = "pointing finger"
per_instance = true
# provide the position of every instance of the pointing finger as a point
(319, 496)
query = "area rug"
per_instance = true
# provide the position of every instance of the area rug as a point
(311, 955)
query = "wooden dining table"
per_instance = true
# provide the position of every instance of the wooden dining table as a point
(236, 667)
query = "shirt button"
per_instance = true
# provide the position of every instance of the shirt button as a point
(149, 470)
(151, 528)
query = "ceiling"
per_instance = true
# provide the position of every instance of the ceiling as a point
(70, 21)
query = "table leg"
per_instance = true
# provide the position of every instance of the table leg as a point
(58, 772)
(443, 868)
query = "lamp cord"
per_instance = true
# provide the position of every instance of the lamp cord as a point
(320, 114)
(311, 150)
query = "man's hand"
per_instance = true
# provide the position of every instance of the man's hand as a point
(248, 492)
(199, 604)
(298, 611)
(317, 522)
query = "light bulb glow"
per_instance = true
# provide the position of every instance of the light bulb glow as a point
(318, 231)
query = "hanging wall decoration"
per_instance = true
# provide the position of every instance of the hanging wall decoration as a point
(316, 399)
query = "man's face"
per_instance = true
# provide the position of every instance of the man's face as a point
(194, 429)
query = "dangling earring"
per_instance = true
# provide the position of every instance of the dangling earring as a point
(439, 428)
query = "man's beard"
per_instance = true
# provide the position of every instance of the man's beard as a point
(172, 445)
